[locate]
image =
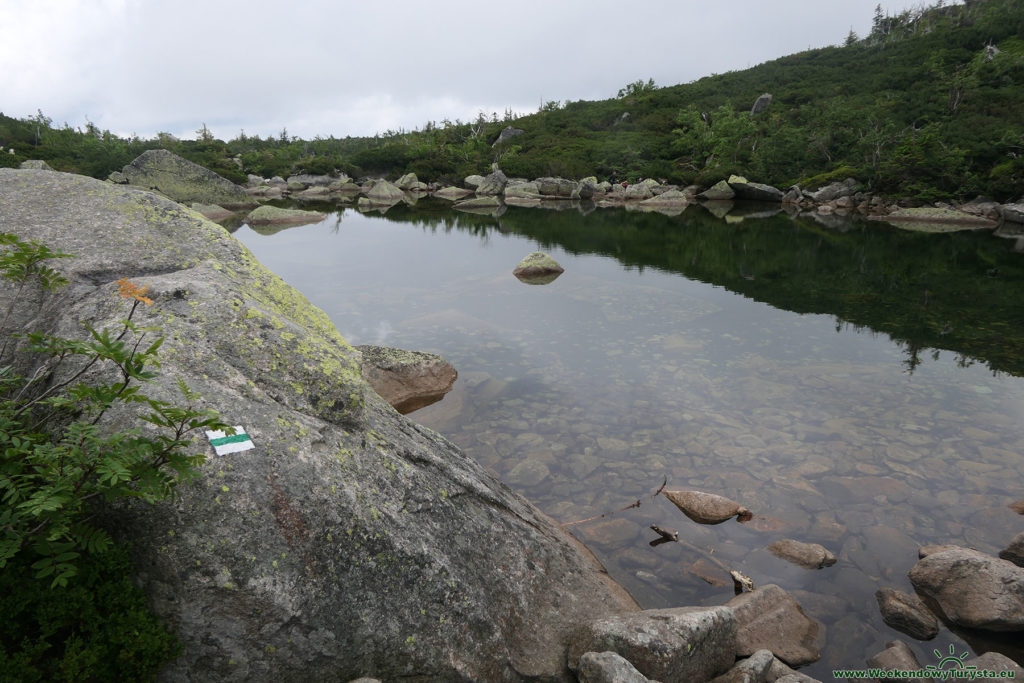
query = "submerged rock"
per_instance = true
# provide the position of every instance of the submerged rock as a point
(350, 541)
(538, 268)
(807, 555)
(408, 380)
(183, 181)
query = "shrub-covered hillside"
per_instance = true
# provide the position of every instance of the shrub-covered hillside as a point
(927, 105)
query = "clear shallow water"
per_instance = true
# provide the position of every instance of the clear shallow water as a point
(585, 394)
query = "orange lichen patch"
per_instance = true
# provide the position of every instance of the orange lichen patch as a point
(130, 290)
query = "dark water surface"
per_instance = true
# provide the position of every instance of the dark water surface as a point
(854, 385)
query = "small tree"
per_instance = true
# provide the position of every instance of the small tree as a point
(57, 457)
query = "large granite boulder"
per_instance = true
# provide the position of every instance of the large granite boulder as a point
(37, 164)
(973, 589)
(758, 192)
(906, 613)
(351, 541)
(557, 188)
(492, 185)
(383, 193)
(507, 133)
(719, 191)
(183, 181)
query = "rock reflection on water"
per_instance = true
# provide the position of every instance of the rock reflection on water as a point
(585, 394)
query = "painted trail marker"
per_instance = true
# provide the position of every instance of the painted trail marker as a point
(224, 444)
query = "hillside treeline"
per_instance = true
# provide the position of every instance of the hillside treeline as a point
(927, 105)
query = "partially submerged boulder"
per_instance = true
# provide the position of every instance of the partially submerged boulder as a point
(350, 541)
(806, 555)
(758, 192)
(383, 193)
(273, 215)
(769, 618)
(707, 508)
(906, 613)
(212, 211)
(538, 268)
(184, 181)
(452, 193)
(408, 380)
(973, 589)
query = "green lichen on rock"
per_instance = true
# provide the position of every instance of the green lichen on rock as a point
(184, 181)
(538, 268)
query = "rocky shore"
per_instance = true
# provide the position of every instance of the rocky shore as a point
(492, 193)
(370, 560)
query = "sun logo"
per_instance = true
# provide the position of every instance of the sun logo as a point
(951, 658)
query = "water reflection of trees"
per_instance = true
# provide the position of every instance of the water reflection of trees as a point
(929, 292)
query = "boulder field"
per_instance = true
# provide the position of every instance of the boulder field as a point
(350, 541)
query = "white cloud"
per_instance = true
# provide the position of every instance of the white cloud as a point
(352, 68)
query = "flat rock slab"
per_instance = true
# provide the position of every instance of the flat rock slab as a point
(273, 215)
(928, 219)
(678, 645)
(769, 618)
(973, 589)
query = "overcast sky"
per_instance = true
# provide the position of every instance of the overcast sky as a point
(357, 68)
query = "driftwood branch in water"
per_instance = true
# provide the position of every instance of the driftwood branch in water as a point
(635, 504)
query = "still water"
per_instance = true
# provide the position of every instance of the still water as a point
(853, 384)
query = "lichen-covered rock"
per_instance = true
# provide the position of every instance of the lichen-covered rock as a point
(266, 215)
(36, 164)
(678, 645)
(492, 185)
(408, 380)
(718, 191)
(351, 541)
(452, 193)
(384, 193)
(973, 589)
(556, 188)
(410, 182)
(184, 181)
(537, 266)
(758, 192)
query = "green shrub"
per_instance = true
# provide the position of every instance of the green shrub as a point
(56, 456)
(94, 628)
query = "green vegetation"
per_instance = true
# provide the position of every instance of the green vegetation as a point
(58, 463)
(926, 105)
